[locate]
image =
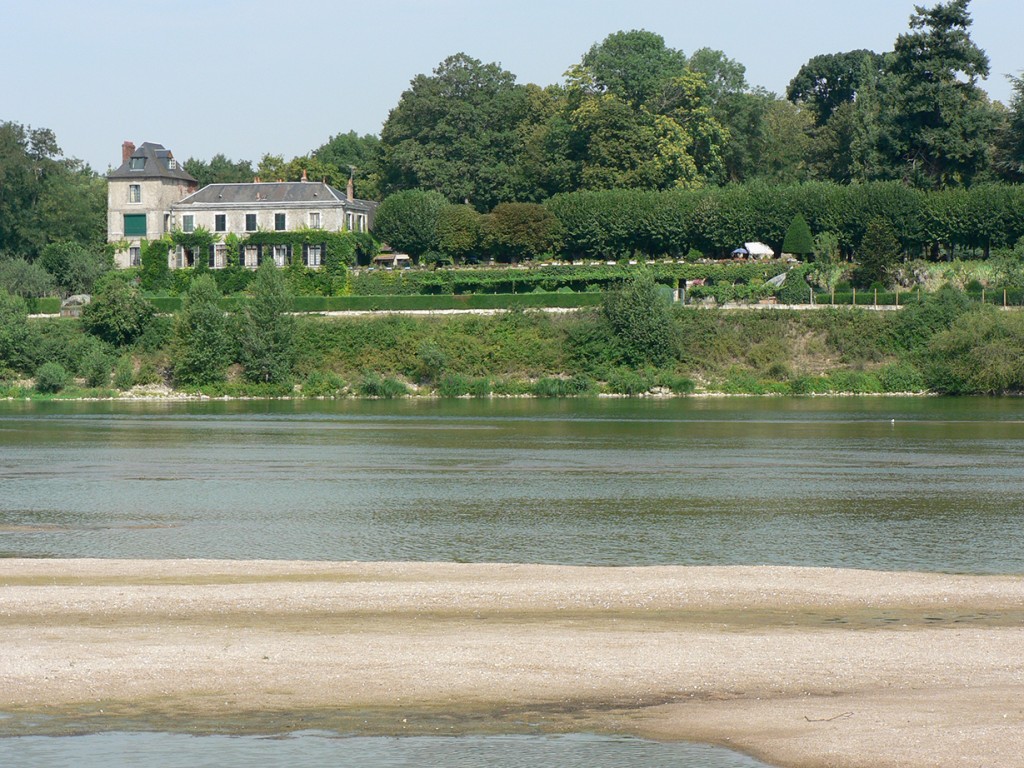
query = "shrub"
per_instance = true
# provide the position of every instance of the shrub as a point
(264, 330)
(51, 378)
(118, 314)
(323, 384)
(386, 388)
(625, 381)
(96, 368)
(901, 377)
(453, 385)
(798, 239)
(200, 348)
(124, 373)
(641, 320)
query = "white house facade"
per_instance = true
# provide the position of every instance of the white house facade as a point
(142, 206)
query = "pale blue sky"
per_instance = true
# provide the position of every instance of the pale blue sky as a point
(245, 77)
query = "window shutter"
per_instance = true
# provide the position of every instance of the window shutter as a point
(289, 260)
(212, 257)
(305, 254)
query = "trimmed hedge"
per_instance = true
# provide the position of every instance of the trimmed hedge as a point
(171, 304)
(48, 305)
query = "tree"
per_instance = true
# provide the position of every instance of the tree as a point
(878, 253)
(23, 278)
(15, 335)
(518, 231)
(118, 313)
(458, 231)
(354, 155)
(830, 80)
(721, 74)
(798, 238)
(45, 197)
(200, 347)
(456, 132)
(220, 170)
(154, 272)
(265, 330)
(633, 66)
(407, 221)
(75, 268)
(940, 125)
(1009, 160)
(641, 319)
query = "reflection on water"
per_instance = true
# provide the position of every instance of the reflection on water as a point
(883, 483)
(315, 750)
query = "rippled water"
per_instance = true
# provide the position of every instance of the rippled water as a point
(315, 750)
(884, 483)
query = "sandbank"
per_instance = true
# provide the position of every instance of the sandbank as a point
(797, 666)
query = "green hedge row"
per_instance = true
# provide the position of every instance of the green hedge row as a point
(171, 304)
(577, 278)
(867, 298)
(48, 305)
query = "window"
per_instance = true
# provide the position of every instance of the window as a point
(251, 256)
(188, 223)
(134, 193)
(313, 255)
(137, 163)
(220, 223)
(280, 255)
(135, 225)
(314, 219)
(250, 222)
(279, 221)
(134, 256)
(348, 221)
(220, 256)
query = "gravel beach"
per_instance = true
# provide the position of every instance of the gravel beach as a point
(797, 666)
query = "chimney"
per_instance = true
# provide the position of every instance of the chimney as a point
(350, 192)
(304, 175)
(127, 150)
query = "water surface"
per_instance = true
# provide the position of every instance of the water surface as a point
(884, 483)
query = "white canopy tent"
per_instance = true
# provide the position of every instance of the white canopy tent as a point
(759, 250)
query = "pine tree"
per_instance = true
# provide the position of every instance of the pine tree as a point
(798, 238)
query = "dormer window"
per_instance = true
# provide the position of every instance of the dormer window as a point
(137, 163)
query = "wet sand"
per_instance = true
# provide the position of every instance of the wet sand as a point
(800, 667)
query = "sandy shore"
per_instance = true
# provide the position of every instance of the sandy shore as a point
(800, 667)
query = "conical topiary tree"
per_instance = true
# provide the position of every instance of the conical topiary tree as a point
(798, 240)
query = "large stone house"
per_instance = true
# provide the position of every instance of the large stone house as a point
(151, 195)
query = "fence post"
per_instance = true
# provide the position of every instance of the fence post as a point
(855, 296)
(1004, 298)
(876, 297)
(833, 301)
(897, 297)
(982, 295)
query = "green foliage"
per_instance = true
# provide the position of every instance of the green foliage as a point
(575, 386)
(21, 278)
(458, 231)
(798, 238)
(795, 290)
(124, 373)
(878, 253)
(15, 335)
(901, 377)
(265, 332)
(96, 368)
(75, 269)
(917, 323)
(641, 321)
(981, 352)
(154, 273)
(520, 231)
(407, 221)
(385, 388)
(51, 378)
(456, 132)
(118, 313)
(200, 350)
(323, 384)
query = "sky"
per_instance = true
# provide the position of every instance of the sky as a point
(251, 77)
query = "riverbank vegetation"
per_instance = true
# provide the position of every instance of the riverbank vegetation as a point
(635, 342)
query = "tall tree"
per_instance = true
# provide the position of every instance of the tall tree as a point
(940, 124)
(220, 170)
(633, 65)
(200, 347)
(265, 330)
(456, 132)
(829, 80)
(1009, 160)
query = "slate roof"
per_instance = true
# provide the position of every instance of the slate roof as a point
(160, 164)
(272, 193)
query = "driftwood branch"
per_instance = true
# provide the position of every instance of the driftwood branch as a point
(841, 716)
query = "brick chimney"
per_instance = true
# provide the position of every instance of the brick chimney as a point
(304, 177)
(350, 191)
(127, 150)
